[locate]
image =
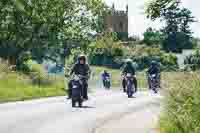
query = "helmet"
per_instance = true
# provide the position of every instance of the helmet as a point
(105, 71)
(82, 57)
(128, 60)
(153, 63)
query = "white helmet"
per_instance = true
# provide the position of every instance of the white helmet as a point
(128, 60)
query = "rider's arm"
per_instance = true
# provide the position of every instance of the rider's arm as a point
(123, 70)
(134, 71)
(73, 69)
(88, 71)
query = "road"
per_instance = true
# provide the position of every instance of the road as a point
(105, 112)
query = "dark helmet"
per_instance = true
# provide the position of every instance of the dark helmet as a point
(82, 57)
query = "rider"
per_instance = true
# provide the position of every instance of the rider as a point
(105, 75)
(83, 69)
(129, 68)
(153, 69)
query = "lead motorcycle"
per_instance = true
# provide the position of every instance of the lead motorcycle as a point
(130, 87)
(77, 90)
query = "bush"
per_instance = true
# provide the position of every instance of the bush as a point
(144, 55)
(106, 51)
(181, 111)
(22, 60)
(193, 61)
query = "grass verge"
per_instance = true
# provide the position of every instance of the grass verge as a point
(181, 112)
(16, 86)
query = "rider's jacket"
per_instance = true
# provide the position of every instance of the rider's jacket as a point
(81, 69)
(105, 75)
(128, 68)
(153, 70)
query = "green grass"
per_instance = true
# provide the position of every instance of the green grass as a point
(181, 112)
(16, 86)
(13, 89)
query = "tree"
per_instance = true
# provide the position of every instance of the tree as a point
(152, 37)
(28, 25)
(176, 32)
(154, 8)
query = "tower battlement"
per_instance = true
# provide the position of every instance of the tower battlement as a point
(119, 12)
(117, 21)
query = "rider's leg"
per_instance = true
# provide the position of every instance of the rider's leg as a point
(135, 83)
(149, 82)
(104, 83)
(69, 89)
(124, 84)
(159, 81)
(85, 90)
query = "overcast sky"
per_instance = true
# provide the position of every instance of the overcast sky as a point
(138, 23)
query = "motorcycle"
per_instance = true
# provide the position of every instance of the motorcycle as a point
(77, 90)
(107, 83)
(154, 83)
(130, 85)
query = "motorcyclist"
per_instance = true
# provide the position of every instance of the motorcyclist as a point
(105, 75)
(153, 69)
(83, 69)
(129, 68)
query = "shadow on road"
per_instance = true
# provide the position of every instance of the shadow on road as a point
(86, 107)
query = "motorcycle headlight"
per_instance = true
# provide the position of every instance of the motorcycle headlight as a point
(153, 75)
(76, 78)
(128, 75)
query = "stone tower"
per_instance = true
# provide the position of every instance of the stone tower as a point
(117, 21)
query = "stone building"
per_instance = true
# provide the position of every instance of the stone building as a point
(117, 21)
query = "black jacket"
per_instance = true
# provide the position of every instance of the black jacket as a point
(129, 68)
(153, 70)
(80, 69)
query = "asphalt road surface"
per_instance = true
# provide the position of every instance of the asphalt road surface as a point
(105, 112)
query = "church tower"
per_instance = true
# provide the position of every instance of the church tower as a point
(117, 21)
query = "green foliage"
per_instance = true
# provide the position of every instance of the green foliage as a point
(106, 50)
(72, 58)
(27, 25)
(176, 32)
(181, 113)
(16, 86)
(196, 43)
(193, 61)
(122, 36)
(143, 56)
(152, 37)
(154, 8)
(22, 61)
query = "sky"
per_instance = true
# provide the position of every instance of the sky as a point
(138, 23)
